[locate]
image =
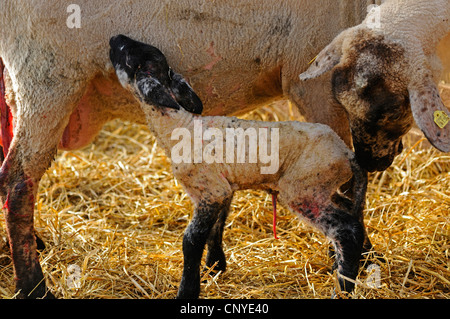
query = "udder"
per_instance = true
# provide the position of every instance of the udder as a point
(103, 100)
(82, 128)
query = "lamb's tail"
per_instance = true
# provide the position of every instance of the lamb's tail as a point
(359, 187)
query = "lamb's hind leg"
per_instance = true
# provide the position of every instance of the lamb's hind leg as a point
(195, 237)
(347, 235)
(344, 230)
(331, 113)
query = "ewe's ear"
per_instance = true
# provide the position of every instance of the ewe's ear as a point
(326, 59)
(184, 94)
(154, 93)
(430, 113)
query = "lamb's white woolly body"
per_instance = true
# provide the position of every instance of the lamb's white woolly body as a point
(308, 153)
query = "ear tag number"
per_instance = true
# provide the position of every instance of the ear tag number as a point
(441, 119)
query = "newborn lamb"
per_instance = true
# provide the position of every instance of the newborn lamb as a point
(310, 164)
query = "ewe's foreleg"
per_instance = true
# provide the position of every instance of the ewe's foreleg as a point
(195, 237)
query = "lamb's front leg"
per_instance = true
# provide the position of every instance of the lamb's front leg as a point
(195, 237)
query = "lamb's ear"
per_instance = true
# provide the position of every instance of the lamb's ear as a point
(430, 113)
(184, 94)
(154, 93)
(325, 60)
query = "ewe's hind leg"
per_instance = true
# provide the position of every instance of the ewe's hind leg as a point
(21, 172)
(19, 179)
(39, 122)
(18, 192)
(195, 237)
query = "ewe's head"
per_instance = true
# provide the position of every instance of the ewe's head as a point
(383, 85)
(143, 69)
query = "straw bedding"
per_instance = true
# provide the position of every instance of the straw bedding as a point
(113, 217)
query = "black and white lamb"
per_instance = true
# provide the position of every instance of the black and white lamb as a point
(310, 164)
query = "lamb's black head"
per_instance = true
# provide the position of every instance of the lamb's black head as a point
(143, 69)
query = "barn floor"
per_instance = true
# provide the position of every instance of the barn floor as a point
(113, 217)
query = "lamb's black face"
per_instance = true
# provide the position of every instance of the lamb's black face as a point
(137, 60)
(144, 70)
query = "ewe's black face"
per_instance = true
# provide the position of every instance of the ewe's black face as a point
(374, 93)
(143, 69)
(383, 85)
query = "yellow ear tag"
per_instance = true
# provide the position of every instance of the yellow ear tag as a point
(441, 119)
(312, 61)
